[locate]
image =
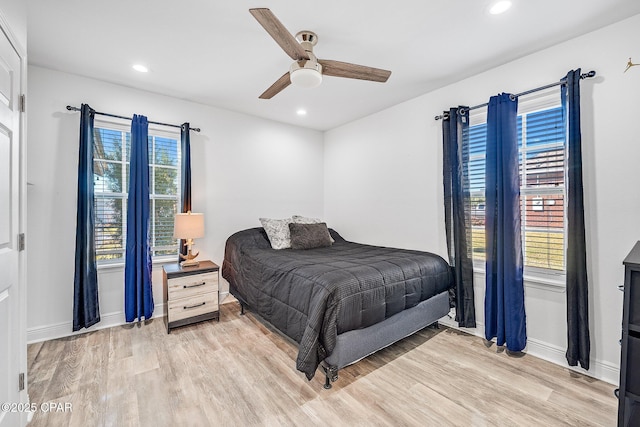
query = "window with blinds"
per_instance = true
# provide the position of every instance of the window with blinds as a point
(542, 161)
(111, 181)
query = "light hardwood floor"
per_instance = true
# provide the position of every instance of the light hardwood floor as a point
(240, 372)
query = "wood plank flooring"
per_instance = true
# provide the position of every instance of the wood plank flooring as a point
(240, 372)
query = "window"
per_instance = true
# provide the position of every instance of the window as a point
(112, 145)
(541, 143)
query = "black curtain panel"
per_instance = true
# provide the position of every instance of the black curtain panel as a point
(504, 311)
(86, 311)
(185, 173)
(578, 343)
(457, 206)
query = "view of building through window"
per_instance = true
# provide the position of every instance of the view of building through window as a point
(541, 145)
(111, 181)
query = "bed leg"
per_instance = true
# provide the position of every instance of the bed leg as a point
(241, 309)
(330, 375)
(435, 325)
(327, 382)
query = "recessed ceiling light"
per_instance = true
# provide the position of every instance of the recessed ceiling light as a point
(141, 68)
(500, 7)
(301, 112)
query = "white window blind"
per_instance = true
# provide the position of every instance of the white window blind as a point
(112, 144)
(542, 163)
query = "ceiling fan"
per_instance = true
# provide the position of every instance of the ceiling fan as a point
(307, 70)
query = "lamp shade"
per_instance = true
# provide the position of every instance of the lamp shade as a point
(188, 226)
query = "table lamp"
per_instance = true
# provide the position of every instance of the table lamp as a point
(188, 226)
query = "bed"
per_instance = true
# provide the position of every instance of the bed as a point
(339, 303)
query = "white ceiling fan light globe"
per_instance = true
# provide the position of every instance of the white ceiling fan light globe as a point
(305, 77)
(140, 68)
(500, 7)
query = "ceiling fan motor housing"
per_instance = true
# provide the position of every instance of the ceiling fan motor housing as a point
(306, 36)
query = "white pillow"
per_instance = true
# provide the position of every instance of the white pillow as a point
(299, 219)
(278, 232)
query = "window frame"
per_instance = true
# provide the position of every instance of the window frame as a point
(125, 127)
(533, 103)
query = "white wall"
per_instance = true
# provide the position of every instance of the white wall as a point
(243, 168)
(383, 179)
(14, 12)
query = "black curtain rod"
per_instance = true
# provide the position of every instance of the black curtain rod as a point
(71, 108)
(590, 74)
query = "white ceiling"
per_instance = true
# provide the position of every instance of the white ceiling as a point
(214, 52)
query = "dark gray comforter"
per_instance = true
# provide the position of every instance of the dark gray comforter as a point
(314, 295)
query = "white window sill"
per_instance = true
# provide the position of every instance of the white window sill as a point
(555, 283)
(155, 261)
(550, 282)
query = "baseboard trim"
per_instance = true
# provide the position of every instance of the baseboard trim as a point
(65, 329)
(222, 297)
(599, 369)
(108, 320)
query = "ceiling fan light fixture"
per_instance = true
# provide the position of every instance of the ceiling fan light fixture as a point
(500, 7)
(140, 68)
(306, 77)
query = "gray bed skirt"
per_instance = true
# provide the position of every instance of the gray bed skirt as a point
(357, 344)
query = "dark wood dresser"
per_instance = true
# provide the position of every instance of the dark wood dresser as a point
(629, 397)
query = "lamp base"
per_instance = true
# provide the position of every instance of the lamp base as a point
(191, 263)
(189, 259)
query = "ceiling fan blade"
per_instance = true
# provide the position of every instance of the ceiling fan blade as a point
(353, 71)
(280, 34)
(277, 87)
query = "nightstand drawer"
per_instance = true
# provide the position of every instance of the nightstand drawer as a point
(193, 306)
(187, 286)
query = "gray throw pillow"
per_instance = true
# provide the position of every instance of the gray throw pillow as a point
(309, 236)
(299, 219)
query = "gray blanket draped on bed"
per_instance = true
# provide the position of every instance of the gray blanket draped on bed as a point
(313, 295)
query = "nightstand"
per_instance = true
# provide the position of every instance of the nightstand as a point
(190, 294)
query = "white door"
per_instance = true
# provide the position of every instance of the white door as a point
(10, 190)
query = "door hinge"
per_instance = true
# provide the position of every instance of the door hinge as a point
(21, 381)
(21, 242)
(23, 103)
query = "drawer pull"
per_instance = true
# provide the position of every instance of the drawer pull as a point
(187, 307)
(194, 286)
